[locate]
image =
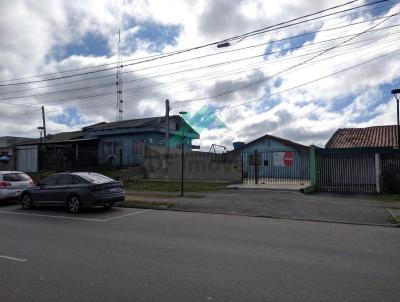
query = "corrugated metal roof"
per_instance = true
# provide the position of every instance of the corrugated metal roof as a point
(370, 137)
(135, 123)
(59, 137)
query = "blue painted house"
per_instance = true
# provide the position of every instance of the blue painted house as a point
(273, 158)
(128, 138)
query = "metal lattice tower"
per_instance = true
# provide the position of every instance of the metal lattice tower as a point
(119, 80)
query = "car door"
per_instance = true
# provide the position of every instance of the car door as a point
(43, 192)
(63, 188)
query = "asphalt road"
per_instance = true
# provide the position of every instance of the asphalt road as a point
(133, 255)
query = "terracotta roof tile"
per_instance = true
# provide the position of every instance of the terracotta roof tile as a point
(377, 136)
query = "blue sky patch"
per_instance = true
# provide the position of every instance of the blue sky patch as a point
(69, 117)
(287, 44)
(376, 10)
(156, 34)
(91, 44)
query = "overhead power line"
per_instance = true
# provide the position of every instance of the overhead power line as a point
(303, 84)
(285, 24)
(186, 60)
(145, 88)
(296, 65)
(393, 38)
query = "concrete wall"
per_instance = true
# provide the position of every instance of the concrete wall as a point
(197, 165)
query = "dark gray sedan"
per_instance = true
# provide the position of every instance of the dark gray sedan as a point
(74, 190)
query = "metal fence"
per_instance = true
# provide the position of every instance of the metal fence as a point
(276, 166)
(345, 172)
(391, 163)
(7, 165)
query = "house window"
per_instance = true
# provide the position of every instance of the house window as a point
(177, 126)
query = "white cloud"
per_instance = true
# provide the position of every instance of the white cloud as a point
(30, 30)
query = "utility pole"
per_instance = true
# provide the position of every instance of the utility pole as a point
(395, 92)
(119, 80)
(182, 149)
(183, 162)
(167, 109)
(44, 124)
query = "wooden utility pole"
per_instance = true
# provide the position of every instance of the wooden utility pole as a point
(44, 124)
(167, 109)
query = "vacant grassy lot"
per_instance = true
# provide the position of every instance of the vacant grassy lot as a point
(174, 186)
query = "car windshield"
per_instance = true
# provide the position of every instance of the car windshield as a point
(16, 177)
(95, 177)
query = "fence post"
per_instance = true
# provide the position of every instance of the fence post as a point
(256, 165)
(313, 166)
(242, 163)
(378, 172)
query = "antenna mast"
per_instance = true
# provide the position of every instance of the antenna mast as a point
(119, 79)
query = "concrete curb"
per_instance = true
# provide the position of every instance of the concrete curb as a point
(146, 207)
(267, 187)
(171, 208)
(290, 218)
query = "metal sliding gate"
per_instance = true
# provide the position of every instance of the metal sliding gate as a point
(276, 166)
(344, 171)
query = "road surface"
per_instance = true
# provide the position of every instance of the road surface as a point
(150, 255)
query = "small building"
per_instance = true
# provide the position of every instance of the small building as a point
(56, 151)
(369, 137)
(272, 158)
(123, 142)
(114, 143)
(7, 144)
(359, 160)
(7, 151)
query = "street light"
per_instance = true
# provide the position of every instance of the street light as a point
(182, 153)
(224, 44)
(395, 92)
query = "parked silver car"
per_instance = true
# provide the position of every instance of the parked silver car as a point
(74, 190)
(12, 183)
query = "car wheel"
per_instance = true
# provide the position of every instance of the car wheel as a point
(109, 205)
(74, 204)
(26, 201)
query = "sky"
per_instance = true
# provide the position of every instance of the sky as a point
(300, 82)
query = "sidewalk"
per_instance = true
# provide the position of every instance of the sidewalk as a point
(289, 204)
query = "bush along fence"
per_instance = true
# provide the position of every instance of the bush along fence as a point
(359, 170)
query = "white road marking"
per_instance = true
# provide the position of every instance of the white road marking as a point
(12, 258)
(134, 213)
(52, 216)
(69, 217)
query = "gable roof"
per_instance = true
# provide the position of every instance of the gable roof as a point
(370, 137)
(58, 137)
(156, 122)
(284, 141)
(134, 123)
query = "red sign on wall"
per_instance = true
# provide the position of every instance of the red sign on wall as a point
(283, 159)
